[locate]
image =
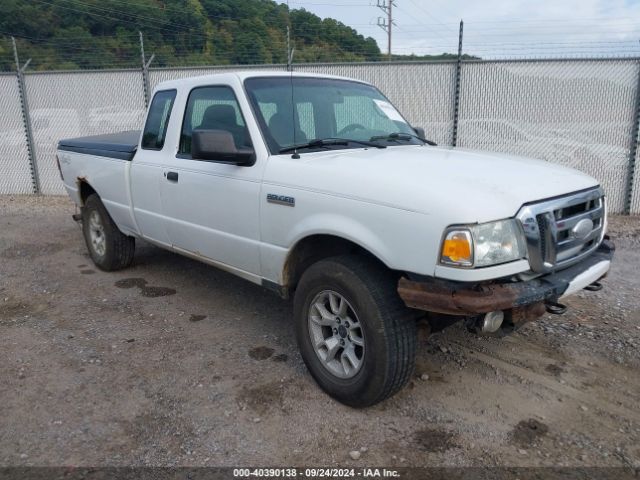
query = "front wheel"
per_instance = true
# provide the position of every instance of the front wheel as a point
(109, 248)
(355, 334)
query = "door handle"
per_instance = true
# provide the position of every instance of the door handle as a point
(171, 176)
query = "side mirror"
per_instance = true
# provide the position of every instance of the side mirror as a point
(419, 131)
(219, 146)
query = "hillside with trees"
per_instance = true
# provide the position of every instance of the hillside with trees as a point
(68, 34)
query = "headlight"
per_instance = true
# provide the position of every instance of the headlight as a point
(483, 245)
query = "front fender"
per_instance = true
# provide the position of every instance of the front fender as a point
(401, 239)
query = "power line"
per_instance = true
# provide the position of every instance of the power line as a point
(301, 4)
(484, 41)
(166, 26)
(432, 16)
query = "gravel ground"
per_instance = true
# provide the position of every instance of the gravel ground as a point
(172, 362)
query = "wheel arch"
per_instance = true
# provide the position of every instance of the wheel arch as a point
(84, 190)
(315, 247)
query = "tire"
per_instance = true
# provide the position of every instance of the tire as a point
(383, 324)
(108, 247)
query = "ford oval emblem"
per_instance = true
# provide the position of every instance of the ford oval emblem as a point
(583, 228)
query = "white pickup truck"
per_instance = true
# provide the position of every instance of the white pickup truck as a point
(317, 187)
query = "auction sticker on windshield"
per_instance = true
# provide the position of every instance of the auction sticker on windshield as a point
(390, 112)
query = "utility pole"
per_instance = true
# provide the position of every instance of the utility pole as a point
(386, 24)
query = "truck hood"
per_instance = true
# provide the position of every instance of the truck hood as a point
(465, 185)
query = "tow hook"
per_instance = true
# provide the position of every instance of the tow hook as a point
(594, 287)
(555, 307)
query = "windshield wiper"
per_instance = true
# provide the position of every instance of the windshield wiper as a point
(326, 142)
(402, 136)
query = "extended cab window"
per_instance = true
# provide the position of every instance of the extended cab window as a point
(155, 129)
(213, 108)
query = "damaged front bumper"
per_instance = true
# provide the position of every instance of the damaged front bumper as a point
(524, 300)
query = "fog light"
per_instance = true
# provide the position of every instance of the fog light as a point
(492, 321)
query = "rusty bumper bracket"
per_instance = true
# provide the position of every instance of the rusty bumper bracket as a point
(464, 299)
(452, 299)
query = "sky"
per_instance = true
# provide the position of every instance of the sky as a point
(495, 28)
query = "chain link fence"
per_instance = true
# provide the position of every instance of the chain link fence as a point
(165, 74)
(576, 113)
(14, 153)
(579, 113)
(422, 92)
(635, 186)
(64, 105)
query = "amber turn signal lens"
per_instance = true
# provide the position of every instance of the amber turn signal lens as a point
(457, 248)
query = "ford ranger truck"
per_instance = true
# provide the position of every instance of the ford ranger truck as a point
(317, 188)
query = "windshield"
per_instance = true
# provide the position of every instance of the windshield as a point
(324, 109)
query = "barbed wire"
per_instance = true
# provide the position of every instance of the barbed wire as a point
(517, 38)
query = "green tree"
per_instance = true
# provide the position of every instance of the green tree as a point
(104, 33)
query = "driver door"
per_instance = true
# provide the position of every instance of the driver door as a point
(211, 209)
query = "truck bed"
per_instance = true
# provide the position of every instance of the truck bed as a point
(121, 145)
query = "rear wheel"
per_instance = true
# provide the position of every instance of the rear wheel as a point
(356, 336)
(108, 247)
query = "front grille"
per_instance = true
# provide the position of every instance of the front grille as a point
(562, 231)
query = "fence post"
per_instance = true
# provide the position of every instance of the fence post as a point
(633, 150)
(456, 100)
(290, 51)
(145, 72)
(24, 105)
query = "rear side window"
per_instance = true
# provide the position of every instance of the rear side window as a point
(155, 130)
